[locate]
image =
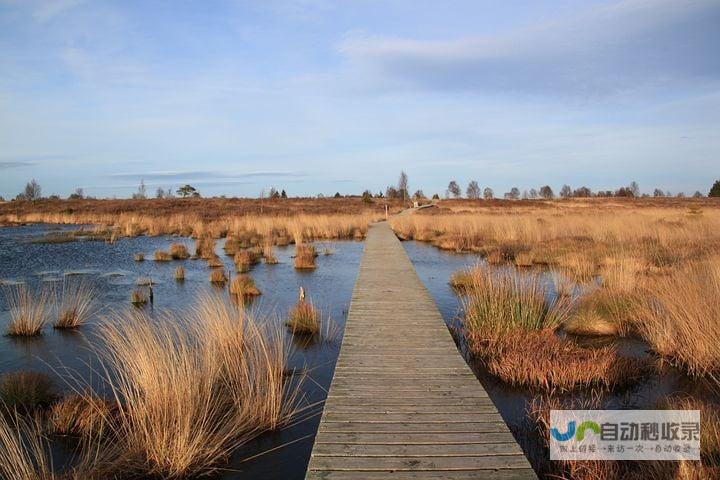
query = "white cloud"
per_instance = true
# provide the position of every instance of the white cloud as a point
(630, 45)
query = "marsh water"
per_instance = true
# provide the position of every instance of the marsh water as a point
(69, 357)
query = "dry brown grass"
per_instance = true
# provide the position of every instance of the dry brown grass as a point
(84, 415)
(679, 315)
(603, 312)
(26, 391)
(304, 319)
(29, 310)
(205, 247)
(245, 259)
(215, 262)
(24, 449)
(244, 286)
(661, 234)
(74, 303)
(503, 301)
(193, 390)
(178, 251)
(218, 276)
(305, 256)
(138, 297)
(268, 253)
(180, 273)
(346, 218)
(524, 259)
(539, 359)
(161, 256)
(510, 327)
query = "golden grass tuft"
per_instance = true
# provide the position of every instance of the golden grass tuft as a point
(215, 262)
(269, 254)
(218, 276)
(195, 389)
(577, 266)
(507, 300)
(244, 286)
(83, 415)
(524, 259)
(178, 251)
(138, 297)
(539, 359)
(75, 303)
(205, 247)
(245, 259)
(305, 256)
(180, 273)
(678, 316)
(304, 319)
(29, 311)
(589, 322)
(462, 280)
(26, 391)
(603, 312)
(161, 256)
(139, 257)
(620, 274)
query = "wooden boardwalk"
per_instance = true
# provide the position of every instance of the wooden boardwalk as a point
(403, 403)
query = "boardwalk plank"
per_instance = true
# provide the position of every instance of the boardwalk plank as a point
(403, 403)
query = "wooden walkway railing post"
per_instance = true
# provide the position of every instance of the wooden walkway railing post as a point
(403, 403)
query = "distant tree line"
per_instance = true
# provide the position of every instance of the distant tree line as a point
(632, 190)
(33, 191)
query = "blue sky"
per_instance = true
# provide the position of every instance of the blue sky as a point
(318, 96)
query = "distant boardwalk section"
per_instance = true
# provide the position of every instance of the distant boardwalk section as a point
(403, 403)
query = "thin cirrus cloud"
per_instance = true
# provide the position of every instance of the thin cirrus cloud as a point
(632, 45)
(200, 176)
(8, 165)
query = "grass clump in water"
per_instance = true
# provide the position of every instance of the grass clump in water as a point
(178, 251)
(503, 302)
(161, 256)
(304, 319)
(180, 273)
(305, 256)
(268, 253)
(29, 311)
(138, 297)
(75, 304)
(139, 257)
(218, 276)
(510, 328)
(245, 259)
(244, 286)
(193, 390)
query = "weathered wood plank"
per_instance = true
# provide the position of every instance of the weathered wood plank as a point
(403, 403)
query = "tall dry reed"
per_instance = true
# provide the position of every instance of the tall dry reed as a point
(679, 315)
(74, 303)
